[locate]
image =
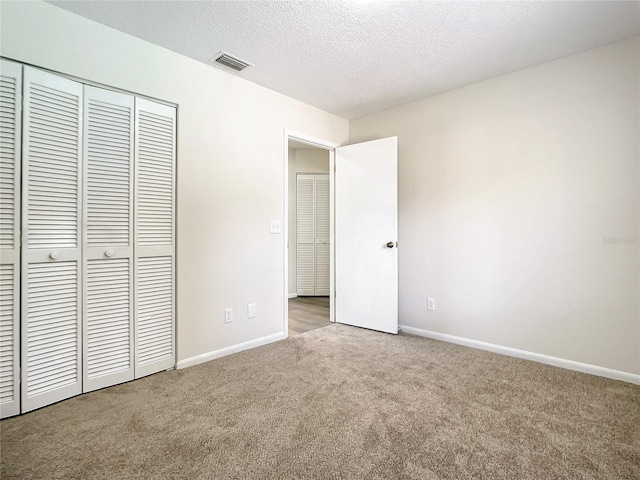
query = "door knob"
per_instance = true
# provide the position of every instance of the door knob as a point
(54, 255)
(390, 244)
(108, 253)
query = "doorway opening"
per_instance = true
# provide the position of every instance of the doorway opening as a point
(363, 222)
(309, 265)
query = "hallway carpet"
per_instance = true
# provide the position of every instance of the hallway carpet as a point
(339, 402)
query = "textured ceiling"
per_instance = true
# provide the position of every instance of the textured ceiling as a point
(356, 57)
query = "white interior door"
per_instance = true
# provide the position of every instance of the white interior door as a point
(366, 232)
(108, 238)
(313, 222)
(305, 235)
(52, 232)
(155, 155)
(10, 129)
(322, 235)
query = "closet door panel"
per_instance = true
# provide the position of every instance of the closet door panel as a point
(108, 331)
(154, 237)
(108, 323)
(322, 269)
(313, 234)
(10, 131)
(52, 332)
(306, 269)
(51, 251)
(322, 234)
(155, 311)
(305, 234)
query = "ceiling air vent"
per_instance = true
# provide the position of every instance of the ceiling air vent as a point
(229, 61)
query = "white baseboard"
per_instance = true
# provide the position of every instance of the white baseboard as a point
(535, 357)
(223, 352)
(293, 295)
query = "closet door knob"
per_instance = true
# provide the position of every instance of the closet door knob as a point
(54, 255)
(390, 245)
(108, 253)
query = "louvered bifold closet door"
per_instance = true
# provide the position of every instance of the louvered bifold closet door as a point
(51, 254)
(108, 238)
(322, 234)
(155, 147)
(10, 129)
(305, 234)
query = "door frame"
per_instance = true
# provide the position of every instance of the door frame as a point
(330, 147)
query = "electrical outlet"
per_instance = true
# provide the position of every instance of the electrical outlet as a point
(251, 310)
(431, 304)
(228, 315)
(274, 227)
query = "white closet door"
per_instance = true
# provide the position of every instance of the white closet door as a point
(155, 146)
(51, 254)
(10, 129)
(108, 238)
(322, 234)
(305, 235)
(313, 234)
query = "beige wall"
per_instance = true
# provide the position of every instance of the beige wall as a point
(300, 161)
(507, 189)
(230, 164)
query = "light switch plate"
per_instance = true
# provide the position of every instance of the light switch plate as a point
(275, 226)
(431, 304)
(251, 310)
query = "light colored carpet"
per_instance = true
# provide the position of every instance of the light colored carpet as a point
(339, 402)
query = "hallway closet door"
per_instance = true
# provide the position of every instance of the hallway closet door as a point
(305, 230)
(108, 238)
(10, 130)
(322, 234)
(51, 231)
(313, 234)
(155, 148)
